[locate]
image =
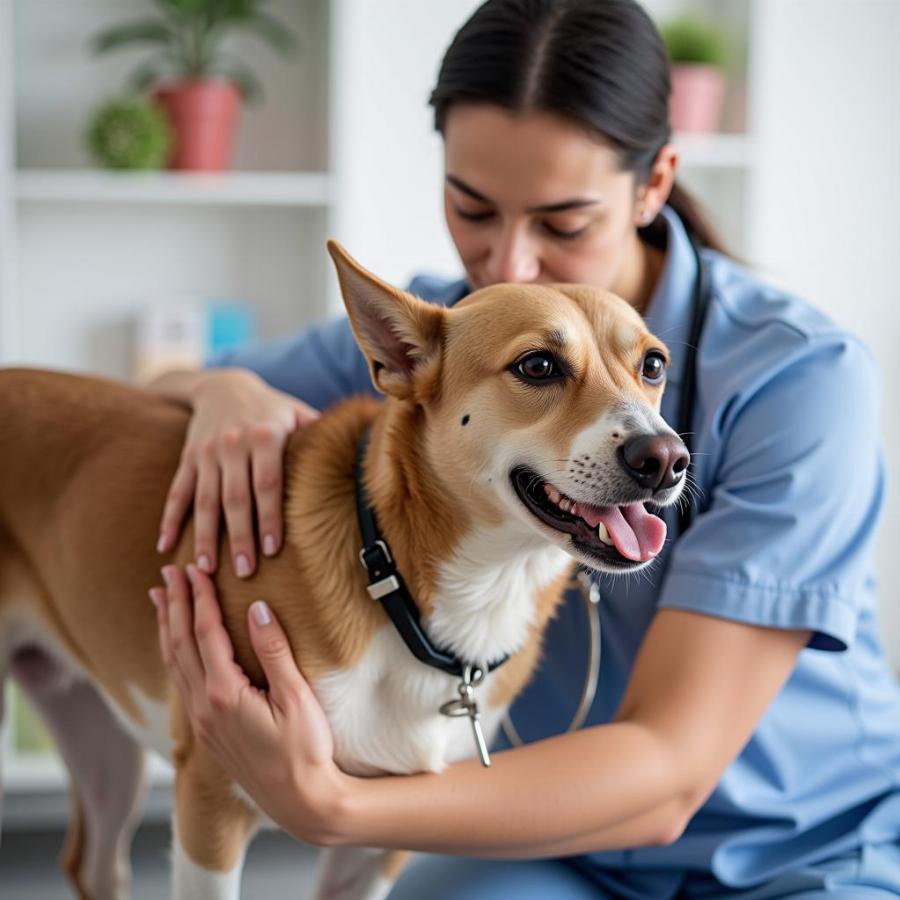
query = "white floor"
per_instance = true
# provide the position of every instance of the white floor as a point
(277, 867)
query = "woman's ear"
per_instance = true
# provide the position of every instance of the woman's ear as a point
(654, 193)
(400, 335)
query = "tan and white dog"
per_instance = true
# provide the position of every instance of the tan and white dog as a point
(521, 433)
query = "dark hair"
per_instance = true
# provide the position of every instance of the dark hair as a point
(599, 63)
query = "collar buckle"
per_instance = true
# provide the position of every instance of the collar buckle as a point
(376, 559)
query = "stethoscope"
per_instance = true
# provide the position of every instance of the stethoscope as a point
(585, 582)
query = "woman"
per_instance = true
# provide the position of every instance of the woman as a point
(745, 740)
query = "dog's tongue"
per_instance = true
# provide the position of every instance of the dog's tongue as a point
(637, 534)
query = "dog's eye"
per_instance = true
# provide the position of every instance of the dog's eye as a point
(653, 369)
(538, 366)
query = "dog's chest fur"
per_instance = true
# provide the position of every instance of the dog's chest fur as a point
(384, 712)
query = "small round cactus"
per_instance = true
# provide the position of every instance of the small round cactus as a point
(130, 133)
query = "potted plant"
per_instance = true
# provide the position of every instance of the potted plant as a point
(193, 78)
(129, 133)
(697, 50)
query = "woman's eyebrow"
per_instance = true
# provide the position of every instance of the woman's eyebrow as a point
(576, 203)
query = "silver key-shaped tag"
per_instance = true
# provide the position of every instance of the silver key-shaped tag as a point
(466, 705)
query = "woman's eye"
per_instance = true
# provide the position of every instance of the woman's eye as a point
(653, 368)
(473, 216)
(564, 234)
(538, 367)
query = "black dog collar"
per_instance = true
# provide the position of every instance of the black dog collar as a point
(386, 585)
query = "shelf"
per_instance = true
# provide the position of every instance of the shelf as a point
(297, 189)
(715, 151)
(284, 189)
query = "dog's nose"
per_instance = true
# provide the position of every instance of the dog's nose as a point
(655, 461)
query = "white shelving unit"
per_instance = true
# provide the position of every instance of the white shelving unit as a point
(83, 251)
(289, 189)
(343, 146)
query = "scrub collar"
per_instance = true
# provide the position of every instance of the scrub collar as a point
(668, 313)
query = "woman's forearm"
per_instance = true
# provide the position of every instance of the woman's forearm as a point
(182, 385)
(610, 786)
(177, 385)
(656, 827)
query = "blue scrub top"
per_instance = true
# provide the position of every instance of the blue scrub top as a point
(788, 462)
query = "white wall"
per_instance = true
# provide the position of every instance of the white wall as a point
(385, 155)
(826, 216)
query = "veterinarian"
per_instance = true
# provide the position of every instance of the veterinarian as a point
(745, 737)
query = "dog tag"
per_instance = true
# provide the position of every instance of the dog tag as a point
(479, 735)
(466, 705)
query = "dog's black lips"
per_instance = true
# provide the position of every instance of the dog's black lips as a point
(529, 487)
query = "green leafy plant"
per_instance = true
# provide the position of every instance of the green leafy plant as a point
(130, 133)
(690, 40)
(188, 36)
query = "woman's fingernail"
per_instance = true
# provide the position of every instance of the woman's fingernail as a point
(154, 596)
(166, 572)
(205, 563)
(242, 565)
(269, 545)
(260, 612)
(162, 544)
(192, 573)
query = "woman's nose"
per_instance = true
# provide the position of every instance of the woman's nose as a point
(513, 259)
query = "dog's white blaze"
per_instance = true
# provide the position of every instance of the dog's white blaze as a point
(193, 882)
(647, 418)
(597, 440)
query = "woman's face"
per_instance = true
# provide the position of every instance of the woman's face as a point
(534, 198)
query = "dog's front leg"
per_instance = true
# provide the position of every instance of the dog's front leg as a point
(358, 873)
(211, 830)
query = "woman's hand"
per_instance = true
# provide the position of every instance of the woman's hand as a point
(232, 458)
(276, 744)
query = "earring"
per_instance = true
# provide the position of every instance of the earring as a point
(647, 216)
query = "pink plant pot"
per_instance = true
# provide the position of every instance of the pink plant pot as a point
(697, 96)
(204, 115)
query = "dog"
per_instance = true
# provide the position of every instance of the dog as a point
(519, 436)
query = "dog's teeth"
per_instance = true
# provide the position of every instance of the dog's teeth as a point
(603, 534)
(552, 493)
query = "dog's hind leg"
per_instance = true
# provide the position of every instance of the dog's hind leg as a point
(106, 772)
(211, 829)
(358, 873)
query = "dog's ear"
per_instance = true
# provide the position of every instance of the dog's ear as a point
(400, 335)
